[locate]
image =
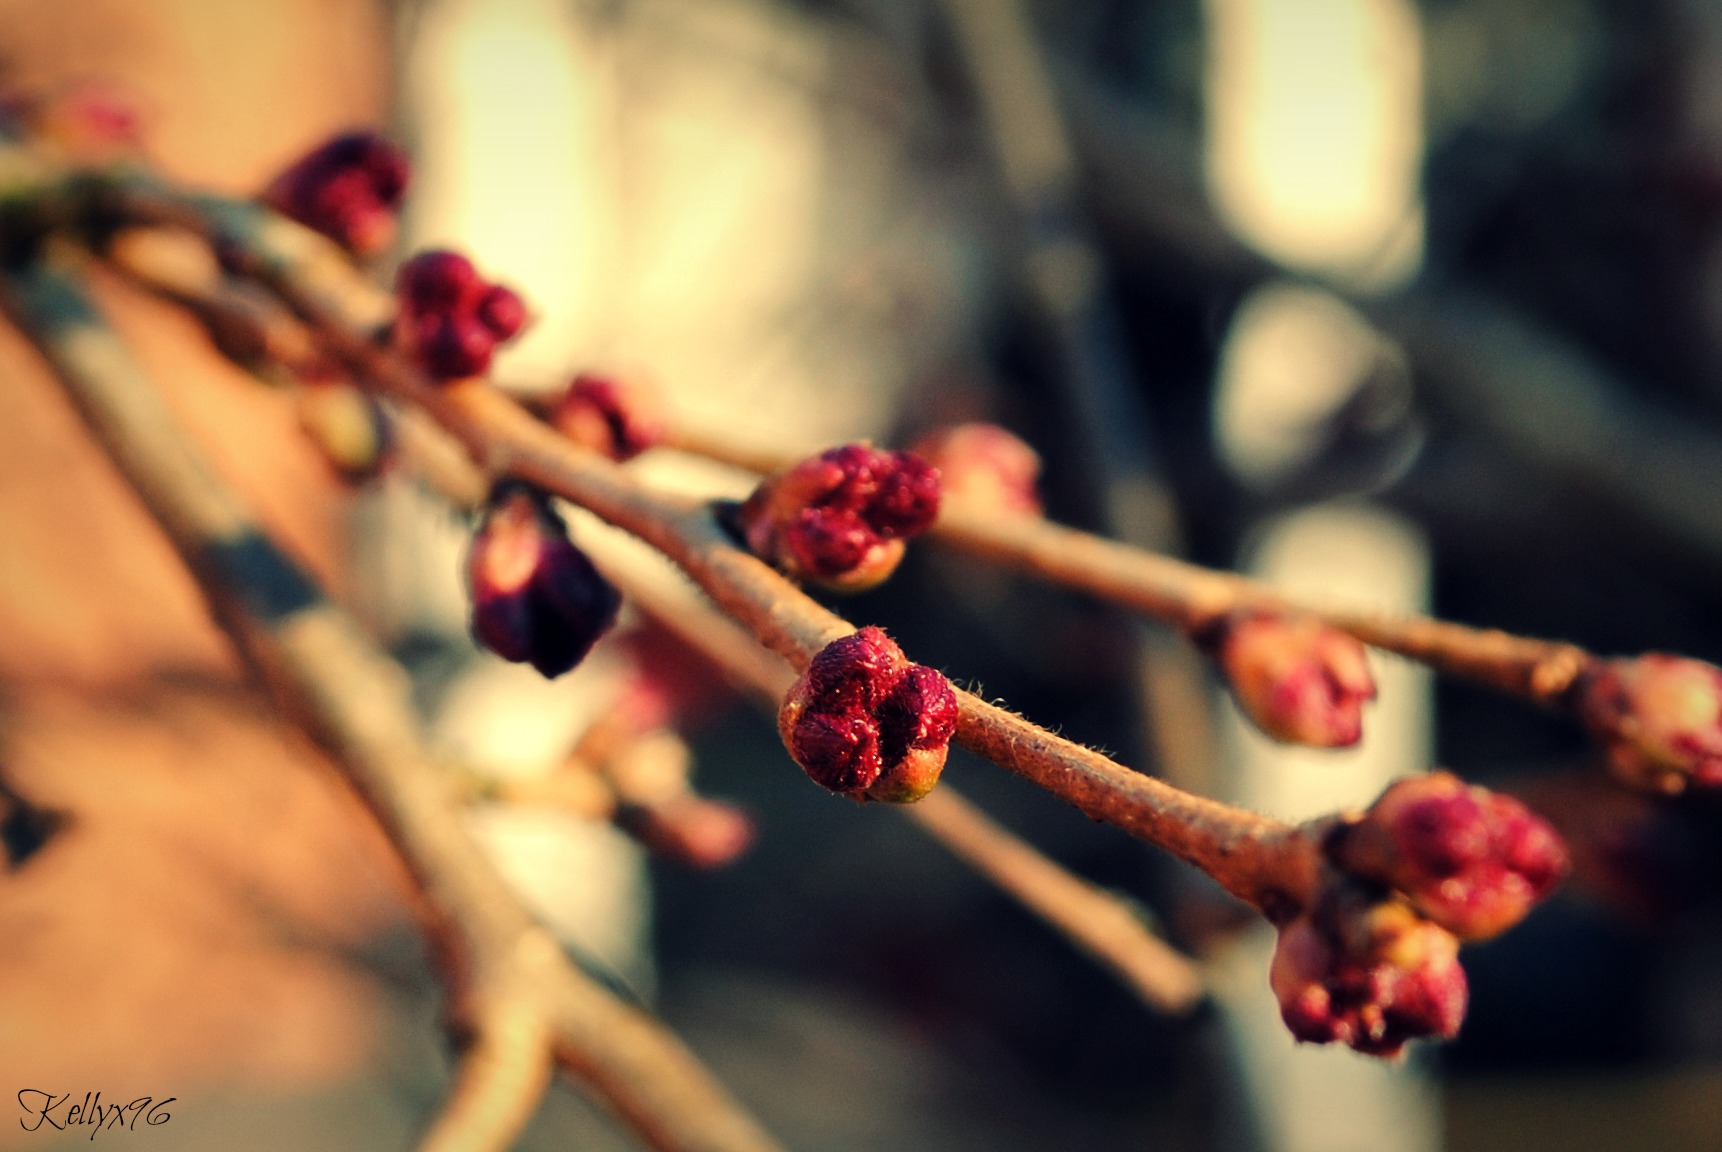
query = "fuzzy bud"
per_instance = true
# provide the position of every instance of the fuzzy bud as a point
(612, 417)
(1299, 680)
(348, 426)
(1367, 972)
(349, 189)
(1471, 860)
(864, 722)
(985, 467)
(1660, 717)
(536, 599)
(450, 320)
(840, 518)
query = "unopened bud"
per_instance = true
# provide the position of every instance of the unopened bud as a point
(840, 518)
(1660, 717)
(612, 417)
(1473, 861)
(450, 320)
(1369, 973)
(1299, 680)
(864, 722)
(984, 467)
(349, 189)
(536, 599)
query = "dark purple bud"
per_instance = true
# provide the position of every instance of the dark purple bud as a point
(536, 599)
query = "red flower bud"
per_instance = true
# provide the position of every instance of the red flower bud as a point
(1660, 717)
(536, 599)
(864, 722)
(349, 426)
(840, 518)
(985, 467)
(1368, 973)
(349, 189)
(614, 418)
(1471, 860)
(451, 320)
(1301, 681)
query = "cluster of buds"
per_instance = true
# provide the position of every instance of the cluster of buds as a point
(348, 426)
(1299, 680)
(450, 320)
(1659, 717)
(840, 518)
(1364, 969)
(536, 598)
(615, 418)
(864, 722)
(349, 189)
(1471, 860)
(984, 467)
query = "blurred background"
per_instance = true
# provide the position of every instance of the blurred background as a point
(1411, 304)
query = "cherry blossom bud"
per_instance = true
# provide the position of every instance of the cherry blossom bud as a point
(349, 427)
(450, 319)
(985, 467)
(1471, 860)
(864, 722)
(840, 518)
(1301, 681)
(614, 418)
(536, 599)
(349, 189)
(1660, 717)
(1367, 972)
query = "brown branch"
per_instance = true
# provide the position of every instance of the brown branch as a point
(1095, 920)
(501, 1078)
(355, 700)
(1191, 597)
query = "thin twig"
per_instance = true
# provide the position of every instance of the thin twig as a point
(1191, 597)
(356, 702)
